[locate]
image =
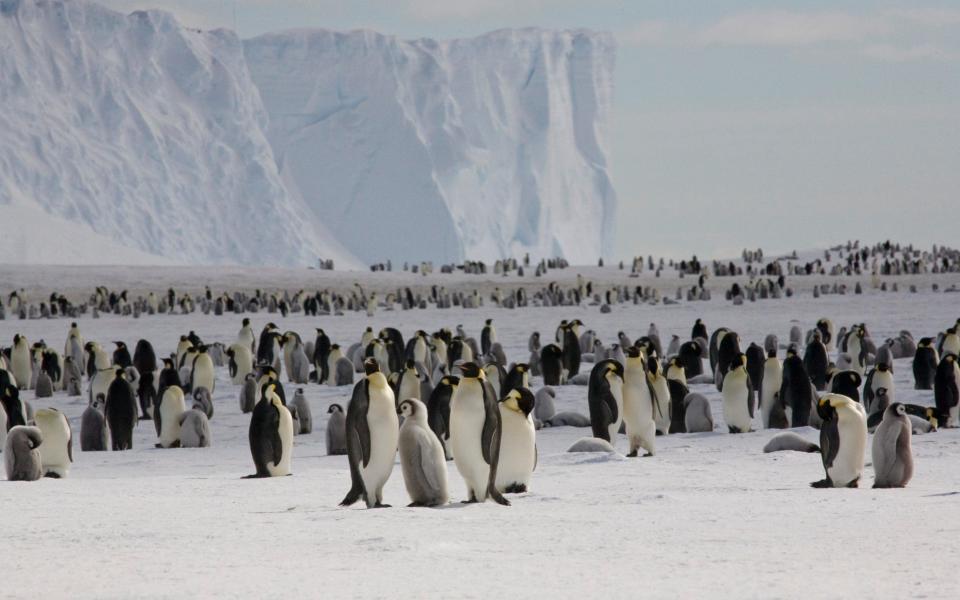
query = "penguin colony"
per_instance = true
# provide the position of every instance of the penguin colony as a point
(442, 396)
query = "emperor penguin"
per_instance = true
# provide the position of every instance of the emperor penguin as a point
(638, 403)
(21, 454)
(857, 351)
(246, 337)
(517, 377)
(421, 457)
(408, 382)
(438, 411)
(13, 408)
(166, 417)
(690, 357)
(488, 335)
(950, 344)
(661, 395)
(771, 409)
(946, 394)
(240, 362)
(924, 364)
(827, 336)
(843, 440)
(372, 435)
(182, 347)
(304, 420)
(551, 365)
(518, 443)
(796, 393)
(891, 450)
(881, 378)
(815, 361)
(56, 452)
(271, 435)
(321, 355)
(343, 374)
(202, 373)
(698, 417)
(93, 428)
(145, 361)
(73, 347)
(332, 359)
(21, 367)
(96, 358)
(738, 397)
(475, 434)
(194, 429)
(120, 412)
(605, 399)
(336, 440)
(248, 393)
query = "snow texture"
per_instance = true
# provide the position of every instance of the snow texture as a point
(145, 132)
(476, 148)
(710, 515)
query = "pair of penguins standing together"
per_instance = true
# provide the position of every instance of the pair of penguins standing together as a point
(374, 435)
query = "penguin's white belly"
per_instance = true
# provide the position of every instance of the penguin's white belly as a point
(170, 411)
(409, 388)
(638, 416)
(848, 464)
(420, 351)
(662, 392)
(288, 361)
(203, 376)
(466, 427)
(951, 344)
(20, 366)
(614, 428)
(285, 428)
(384, 435)
(769, 388)
(735, 410)
(53, 452)
(517, 449)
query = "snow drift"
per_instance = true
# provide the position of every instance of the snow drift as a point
(146, 132)
(474, 148)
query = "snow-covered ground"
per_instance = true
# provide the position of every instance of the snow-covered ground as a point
(709, 516)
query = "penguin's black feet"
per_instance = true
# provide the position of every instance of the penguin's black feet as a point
(381, 505)
(51, 475)
(416, 505)
(633, 454)
(515, 488)
(823, 483)
(648, 455)
(854, 484)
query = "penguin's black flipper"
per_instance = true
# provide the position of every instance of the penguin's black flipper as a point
(358, 440)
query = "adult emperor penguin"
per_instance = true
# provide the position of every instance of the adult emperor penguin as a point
(661, 395)
(21, 454)
(56, 452)
(438, 411)
(796, 393)
(880, 378)
(475, 433)
(728, 351)
(843, 441)
(517, 377)
(321, 355)
(240, 362)
(605, 399)
(638, 404)
(846, 383)
(271, 435)
(145, 361)
(924, 364)
(166, 417)
(408, 382)
(738, 397)
(690, 357)
(815, 361)
(202, 374)
(771, 409)
(336, 440)
(891, 450)
(120, 412)
(551, 365)
(571, 351)
(421, 457)
(946, 394)
(372, 436)
(488, 335)
(73, 347)
(246, 337)
(827, 336)
(518, 442)
(856, 350)
(20, 364)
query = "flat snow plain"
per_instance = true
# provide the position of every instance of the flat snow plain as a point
(709, 516)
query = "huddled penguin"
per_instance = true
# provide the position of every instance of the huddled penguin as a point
(518, 442)
(336, 439)
(21, 453)
(56, 452)
(372, 435)
(843, 441)
(891, 451)
(475, 433)
(203, 400)
(421, 457)
(194, 429)
(605, 399)
(827, 337)
(93, 427)
(698, 417)
(120, 412)
(304, 420)
(438, 411)
(166, 417)
(271, 435)
(925, 361)
(638, 404)
(738, 397)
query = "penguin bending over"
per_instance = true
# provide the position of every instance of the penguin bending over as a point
(518, 444)
(21, 454)
(56, 452)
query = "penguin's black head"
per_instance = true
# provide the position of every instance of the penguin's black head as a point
(471, 370)
(167, 363)
(488, 321)
(120, 344)
(119, 373)
(883, 367)
(521, 367)
(334, 346)
(371, 366)
(410, 364)
(245, 322)
(452, 380)
(334, 408)
(632, 352)
(521, 400)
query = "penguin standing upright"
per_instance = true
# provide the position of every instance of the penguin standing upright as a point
(690, 357)
(271, 435)
(843, 441)
(20, 364)
(321, 354)
(372, 436)
(56, 452)
(661, 395)
(551, 365)
(408, 382)
(166, 417)
(891, 451)
(438, 411)
(246, 337)
(825, 328)
(145, 361)
(857, 350)
(605, 399)
(488, 335)
(239, 363)
(815, 361)
(517, 377)
(571, 351)
(638, 404)
(728, 349)
(796, 393)
(93, 428)
(202, 374)
(738, 397)
(924, 364)
(771, 408)
(518, 443)
(945, 391)
(120, 412)
(475, 430)
(421, 457)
